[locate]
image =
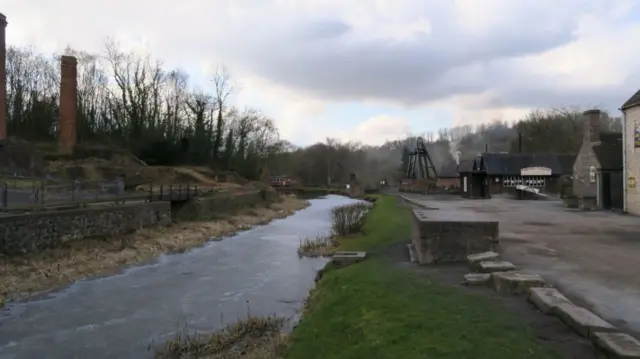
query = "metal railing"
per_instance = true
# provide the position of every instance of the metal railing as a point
(26, 193)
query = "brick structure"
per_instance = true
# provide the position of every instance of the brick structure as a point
(3, 78)
(597, 171)
(68, 104)
(631, 126)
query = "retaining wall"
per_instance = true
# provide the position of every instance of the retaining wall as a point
(442, 240)
(32, 232)
(224, 203)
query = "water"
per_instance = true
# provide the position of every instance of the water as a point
(119, 316)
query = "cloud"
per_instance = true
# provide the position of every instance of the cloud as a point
(379, 129)
(480, 60)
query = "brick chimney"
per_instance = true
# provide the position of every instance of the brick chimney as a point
(591, 126)
(3, 78)
(68, 104)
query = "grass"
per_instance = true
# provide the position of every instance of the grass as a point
(58, 267)
(249, 338)
(378, 309)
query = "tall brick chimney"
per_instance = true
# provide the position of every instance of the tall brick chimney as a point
(591, 126)
(68, 104)
(3, 77)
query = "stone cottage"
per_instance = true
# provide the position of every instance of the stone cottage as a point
(631, 153)
(597, 171)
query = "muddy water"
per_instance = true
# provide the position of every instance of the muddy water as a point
(120, 316)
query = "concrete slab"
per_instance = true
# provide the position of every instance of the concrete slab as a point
(495, 266)
(546, 299)
(515, 282)
(477, 279)
(581, 320)
(343, 259)
(617, 345)
(481, 257)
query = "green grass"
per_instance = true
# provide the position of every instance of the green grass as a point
(379, 310)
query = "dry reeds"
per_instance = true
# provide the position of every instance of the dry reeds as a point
(58, 267)
(250, 338)
(322, 246)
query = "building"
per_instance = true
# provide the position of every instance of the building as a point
(448, 176)
(631, 154)
(496, 173)
(597, 171)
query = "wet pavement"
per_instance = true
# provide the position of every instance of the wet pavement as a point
(257, 271)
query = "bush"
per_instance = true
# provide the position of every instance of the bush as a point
(349, 219)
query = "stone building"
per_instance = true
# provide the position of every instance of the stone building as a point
(631, 153)
(597, 171)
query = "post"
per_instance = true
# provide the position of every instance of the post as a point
(3, 77)
(42, 192)
(73, 190)
(180, 191)
(150, 192)
(170, 192)
(161, 191)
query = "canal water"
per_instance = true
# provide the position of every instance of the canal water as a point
(256, 271)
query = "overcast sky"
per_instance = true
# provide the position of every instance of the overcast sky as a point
(368, 70)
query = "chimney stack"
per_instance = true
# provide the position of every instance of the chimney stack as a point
(68, 104)
(3, 77)
(591, 126)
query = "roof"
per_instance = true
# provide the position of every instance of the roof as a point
(609, 151)
(512, 163)
(632, 102)
(448, 170)
(465, 166)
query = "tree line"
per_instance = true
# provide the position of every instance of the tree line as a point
(130, 100)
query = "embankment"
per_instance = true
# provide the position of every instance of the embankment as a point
(45, 250)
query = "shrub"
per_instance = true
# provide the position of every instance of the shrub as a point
(349, 219)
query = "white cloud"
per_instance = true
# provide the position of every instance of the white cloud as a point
(481, 60)
(377, 130)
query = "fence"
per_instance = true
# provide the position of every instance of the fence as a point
(26, 192)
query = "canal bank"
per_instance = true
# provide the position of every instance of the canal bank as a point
(31, 275)
(387, 307)
(257, 271)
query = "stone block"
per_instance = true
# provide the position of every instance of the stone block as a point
(476, 258)
(581, 320)
(412, 253)
(515, 282)
(343, 259)
(437, 238)
(546, 299)
(476, 279)
(617, 345)
(495, 266)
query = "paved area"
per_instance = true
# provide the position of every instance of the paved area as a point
(592, 257)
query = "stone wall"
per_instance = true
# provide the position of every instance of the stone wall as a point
(440, 240)
(224, 203)
(632, 160)
(27, 233)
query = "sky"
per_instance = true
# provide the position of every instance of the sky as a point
(367, 71)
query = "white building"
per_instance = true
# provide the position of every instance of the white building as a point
(631, 153)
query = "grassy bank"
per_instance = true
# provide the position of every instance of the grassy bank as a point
(59, 267)
(382, 309)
